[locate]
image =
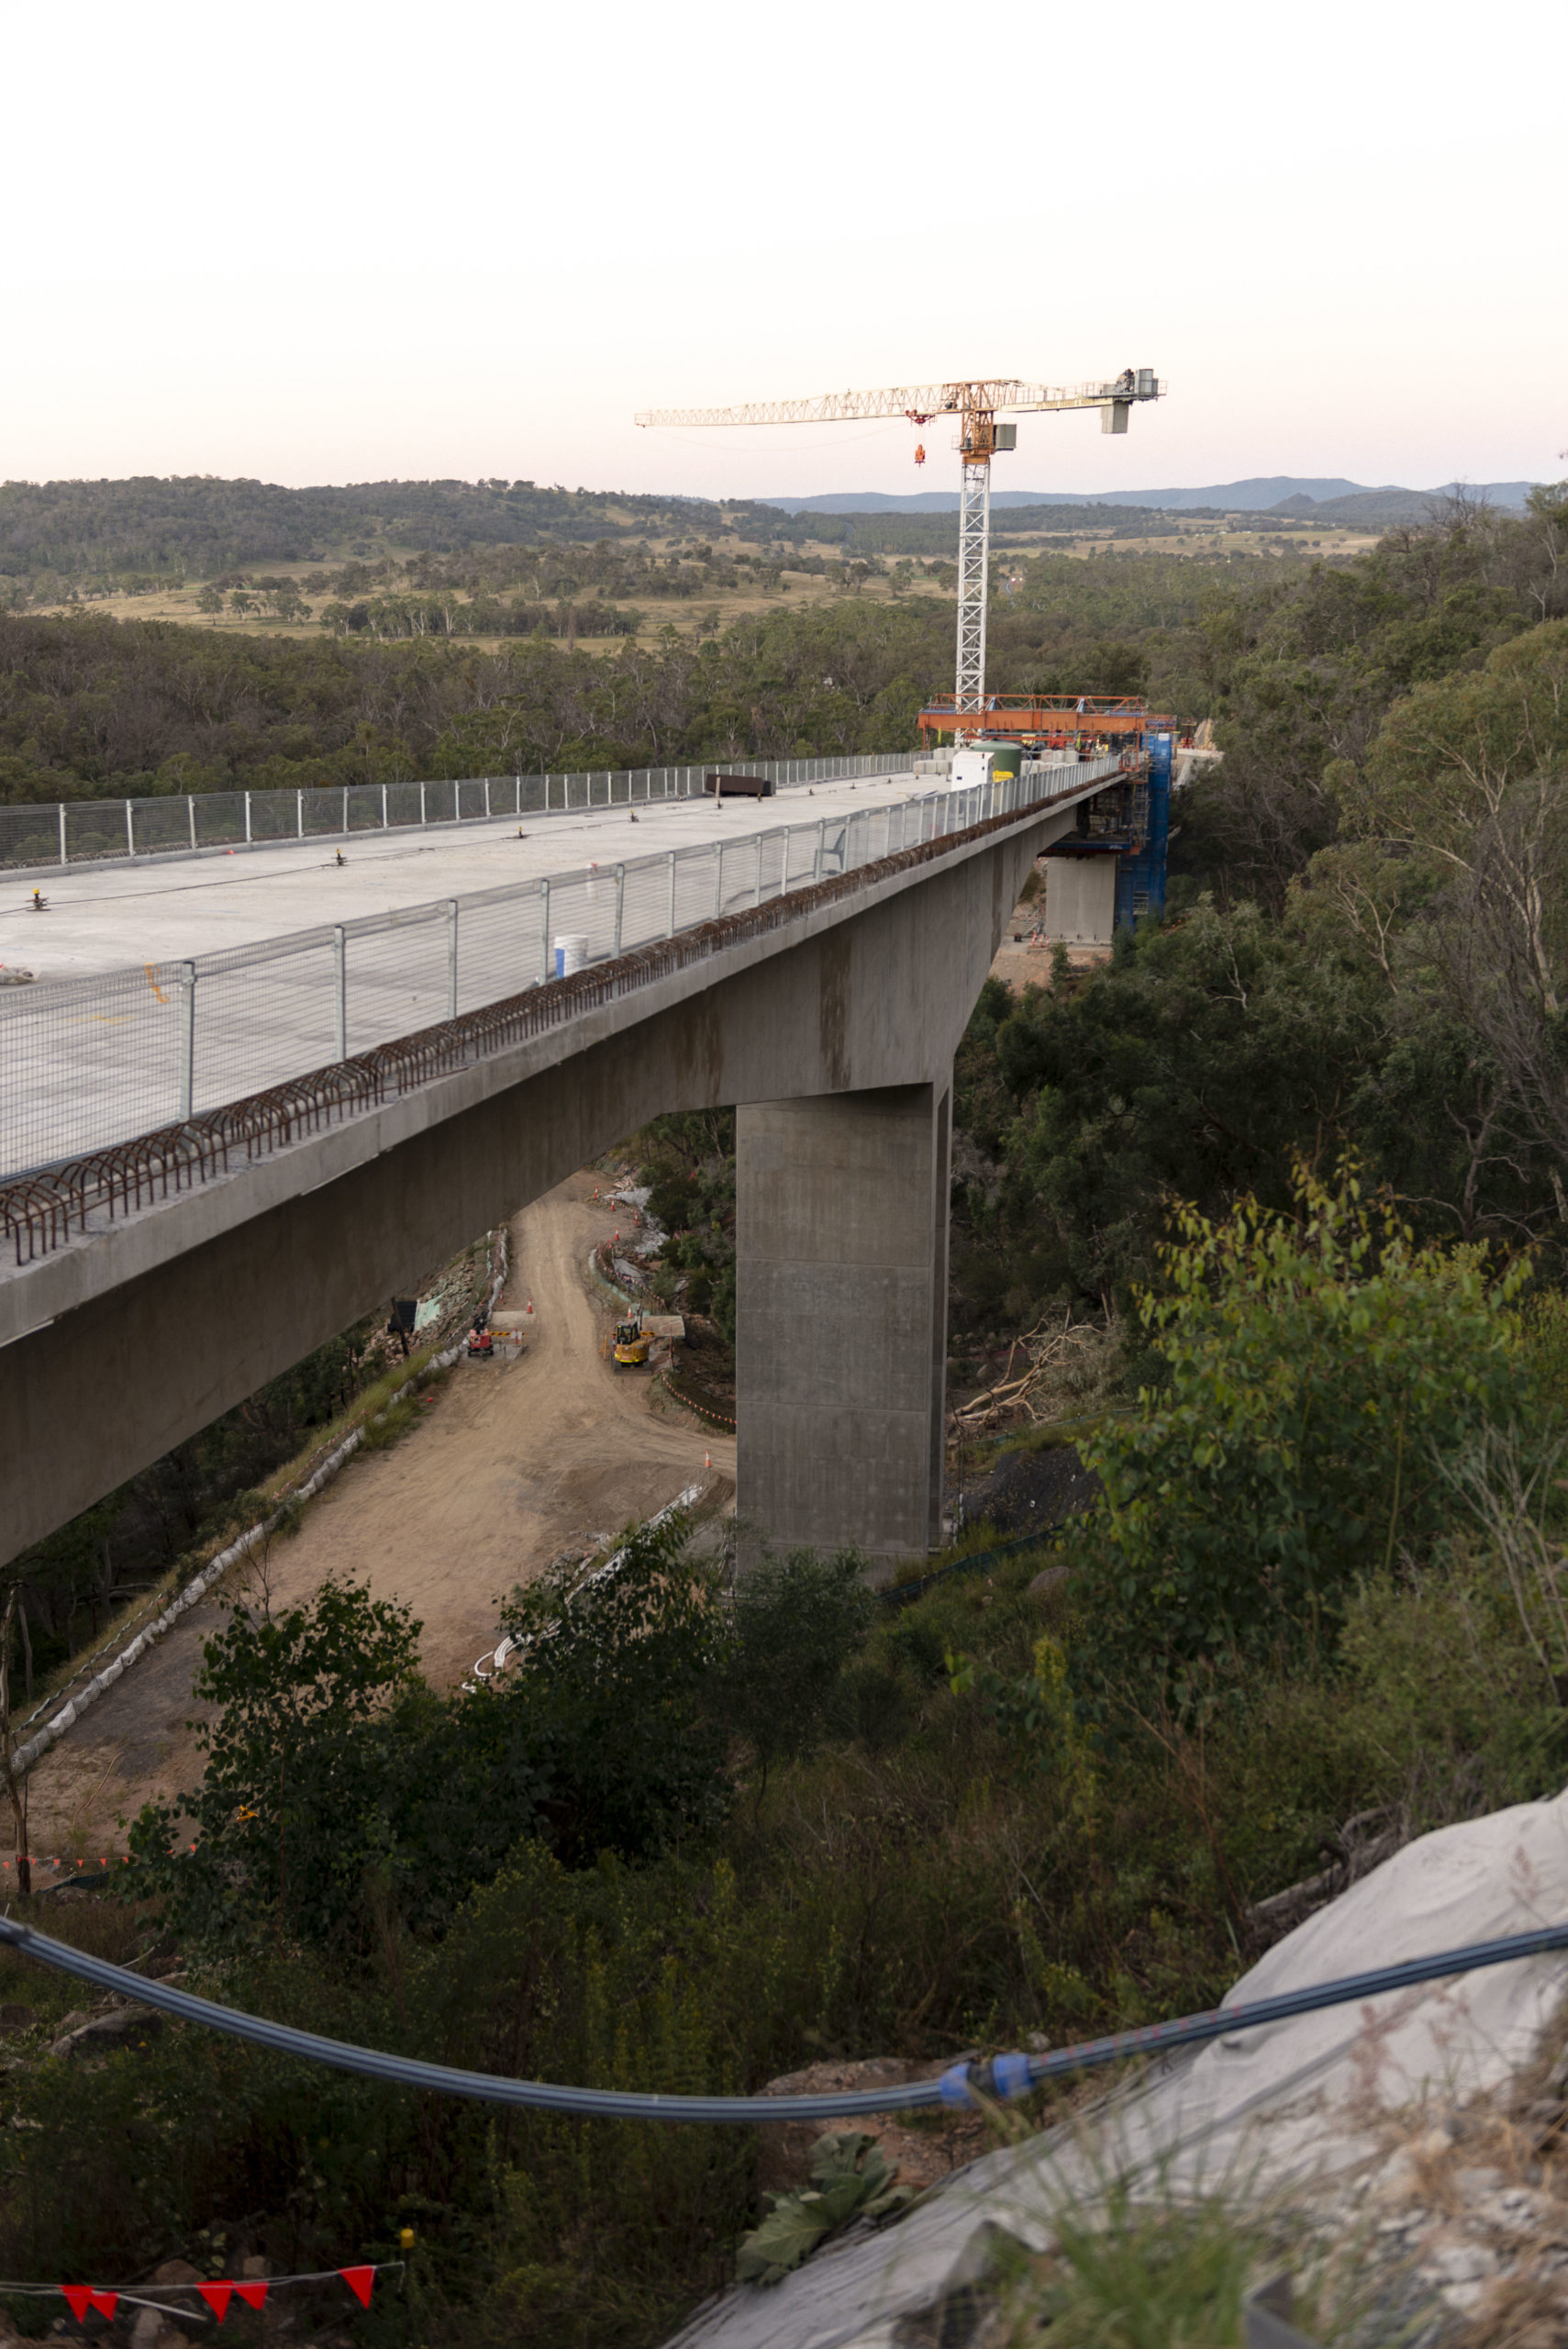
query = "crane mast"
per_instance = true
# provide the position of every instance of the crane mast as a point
(976, 404)
(973, 561)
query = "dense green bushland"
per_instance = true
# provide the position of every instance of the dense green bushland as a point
(1319, 1378)
(684, 1847)
(1306, 671)
(1207, 1053)
(919, 1887)
(89, 705)
(326, 1726)
(1366, 949)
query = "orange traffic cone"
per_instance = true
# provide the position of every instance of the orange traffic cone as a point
(708, 1460)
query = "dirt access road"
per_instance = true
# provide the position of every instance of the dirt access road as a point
(513, 1462)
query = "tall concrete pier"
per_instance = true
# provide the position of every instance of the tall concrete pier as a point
(841, 1318)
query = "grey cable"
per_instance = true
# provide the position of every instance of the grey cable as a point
(963, 2085)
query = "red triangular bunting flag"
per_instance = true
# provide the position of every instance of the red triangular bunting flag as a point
(218, 2297)
(252, 2294)
(106, 2302)
(80, 2297)
(358, 2281)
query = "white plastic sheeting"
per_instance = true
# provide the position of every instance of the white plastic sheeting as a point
(1280, 2106)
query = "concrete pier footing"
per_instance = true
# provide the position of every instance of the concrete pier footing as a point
(841, 1319)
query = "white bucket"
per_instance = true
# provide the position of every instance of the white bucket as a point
(571, 953)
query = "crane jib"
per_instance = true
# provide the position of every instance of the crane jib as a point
(921, 402)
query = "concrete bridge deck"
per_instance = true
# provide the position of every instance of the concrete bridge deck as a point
(102, 917)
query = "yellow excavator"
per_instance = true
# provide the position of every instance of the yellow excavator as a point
(631, 1344)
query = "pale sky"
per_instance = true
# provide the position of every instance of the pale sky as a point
(342, 242)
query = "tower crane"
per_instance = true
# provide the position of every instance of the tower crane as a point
(976, 406)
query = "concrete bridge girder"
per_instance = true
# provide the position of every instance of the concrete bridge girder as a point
(123, 1344)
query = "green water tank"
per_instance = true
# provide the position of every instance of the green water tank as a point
(1007, 758)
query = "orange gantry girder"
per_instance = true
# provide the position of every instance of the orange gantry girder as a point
(1029, 716)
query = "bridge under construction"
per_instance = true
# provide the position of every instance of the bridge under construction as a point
(225, 1151)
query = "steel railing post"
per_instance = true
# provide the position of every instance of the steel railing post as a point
(717, 879)
(343, 826)
(191, 812)
(451, 958)
(757, 893)
(129, 831)
(817, 860)
(247, 819)
(384, 825)
(421, 803)
(670, 918)
(299, 814)
(187, 1040)
(64, 853)
(339, 992)
(620, 902)
(488, 795)
(544, 969)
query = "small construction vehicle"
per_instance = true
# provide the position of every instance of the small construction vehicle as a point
(631, 1344)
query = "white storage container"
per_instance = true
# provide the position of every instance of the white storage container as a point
(970, 767)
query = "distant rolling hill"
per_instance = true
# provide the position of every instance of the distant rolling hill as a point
(1377, 509)
(1311, 499)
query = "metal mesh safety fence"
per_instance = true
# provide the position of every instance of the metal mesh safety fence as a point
(92, 831)
(88, 1064)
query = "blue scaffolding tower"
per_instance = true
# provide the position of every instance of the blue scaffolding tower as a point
(1140, 879)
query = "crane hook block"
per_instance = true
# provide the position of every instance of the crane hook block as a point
(920, 453)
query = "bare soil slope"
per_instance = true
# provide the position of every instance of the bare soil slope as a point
(514, 1461)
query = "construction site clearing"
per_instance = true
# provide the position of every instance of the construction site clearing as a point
(516, 1458)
